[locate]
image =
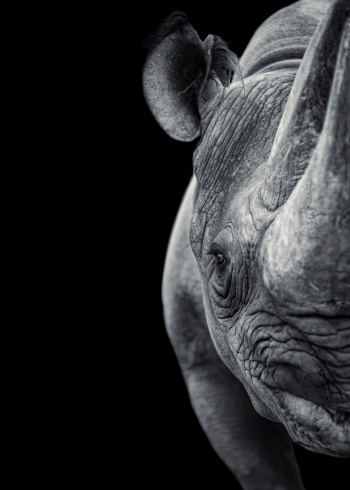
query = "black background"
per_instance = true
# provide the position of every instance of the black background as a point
(165, 442)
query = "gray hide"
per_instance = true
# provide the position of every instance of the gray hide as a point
(256, 286)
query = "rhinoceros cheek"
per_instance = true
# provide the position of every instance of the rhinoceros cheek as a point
(218, 334)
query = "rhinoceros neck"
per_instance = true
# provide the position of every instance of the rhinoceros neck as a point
(281, 41)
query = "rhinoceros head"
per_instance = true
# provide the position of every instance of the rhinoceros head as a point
(271, 222)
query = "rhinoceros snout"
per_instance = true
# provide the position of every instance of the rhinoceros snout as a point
(316, 385)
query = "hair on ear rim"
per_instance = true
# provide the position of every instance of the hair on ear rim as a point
(172, 23)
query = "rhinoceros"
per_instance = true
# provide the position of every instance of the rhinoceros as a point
(256, 282)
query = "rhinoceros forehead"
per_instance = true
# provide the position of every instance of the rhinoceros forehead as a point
(283, 37)
(235, 146)
(236, 142)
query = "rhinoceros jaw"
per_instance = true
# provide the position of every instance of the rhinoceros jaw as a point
(339, 417)
(314, 427)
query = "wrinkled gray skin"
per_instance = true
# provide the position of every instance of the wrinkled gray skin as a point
(256, 286)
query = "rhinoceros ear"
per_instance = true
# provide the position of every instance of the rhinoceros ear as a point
(179, 72)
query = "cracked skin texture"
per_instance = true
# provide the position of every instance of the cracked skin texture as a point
(224, 312)
(263, 343)
(229, 220)
(256, 450)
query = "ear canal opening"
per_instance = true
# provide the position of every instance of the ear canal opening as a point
(225, 63)
(223, 67)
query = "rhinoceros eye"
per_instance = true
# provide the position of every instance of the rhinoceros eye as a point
(219, 258)
(220, 261)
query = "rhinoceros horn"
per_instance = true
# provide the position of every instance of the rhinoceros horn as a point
(304, 115)
(308, 245)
